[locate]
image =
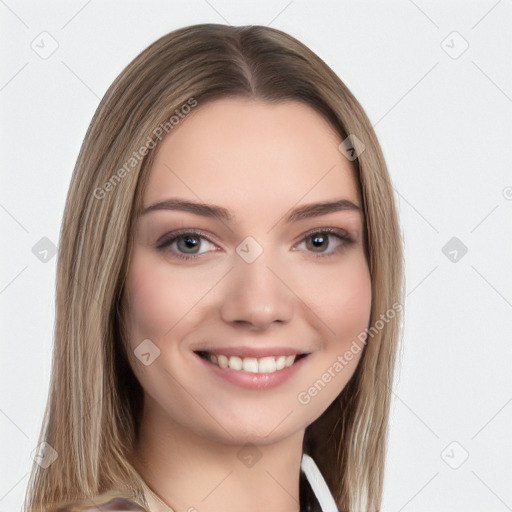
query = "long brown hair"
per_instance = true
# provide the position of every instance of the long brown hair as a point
(94, 402)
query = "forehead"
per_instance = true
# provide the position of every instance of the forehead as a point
(251, 154)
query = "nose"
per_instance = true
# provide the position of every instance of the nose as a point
(256, 295)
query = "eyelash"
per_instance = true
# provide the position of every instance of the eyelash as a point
(168, 239)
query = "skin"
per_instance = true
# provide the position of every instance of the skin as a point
(259, 160)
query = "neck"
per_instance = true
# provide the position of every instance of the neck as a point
(192, 473)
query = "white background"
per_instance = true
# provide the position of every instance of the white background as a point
(445, 127)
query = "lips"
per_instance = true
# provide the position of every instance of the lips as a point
(258, 369)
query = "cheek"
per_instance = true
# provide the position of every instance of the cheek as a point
(157, 298)
(345, 303)
(145, 298)
(345, 309)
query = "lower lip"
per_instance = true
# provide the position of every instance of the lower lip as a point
(250, 380)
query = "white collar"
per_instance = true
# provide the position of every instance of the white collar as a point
(318, 484)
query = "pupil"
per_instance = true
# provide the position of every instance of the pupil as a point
(190, 241)
(318, 241)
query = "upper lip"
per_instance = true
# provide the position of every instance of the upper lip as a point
(252, 351)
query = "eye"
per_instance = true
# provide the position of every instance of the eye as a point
(190, 244)
(326, 241)
(187, 244)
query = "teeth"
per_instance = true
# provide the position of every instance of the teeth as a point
(235, 363)
(267, 364)
(280, 362)
(289, 360)
(249, 364)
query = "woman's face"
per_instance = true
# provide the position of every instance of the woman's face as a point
(252, 280)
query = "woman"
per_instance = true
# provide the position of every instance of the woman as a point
(229, 289)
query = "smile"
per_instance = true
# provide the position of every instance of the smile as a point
(241, 367)
(268, 364)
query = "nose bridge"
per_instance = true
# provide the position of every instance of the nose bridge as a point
(256, 294)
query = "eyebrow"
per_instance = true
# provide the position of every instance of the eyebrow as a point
(218, 212)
